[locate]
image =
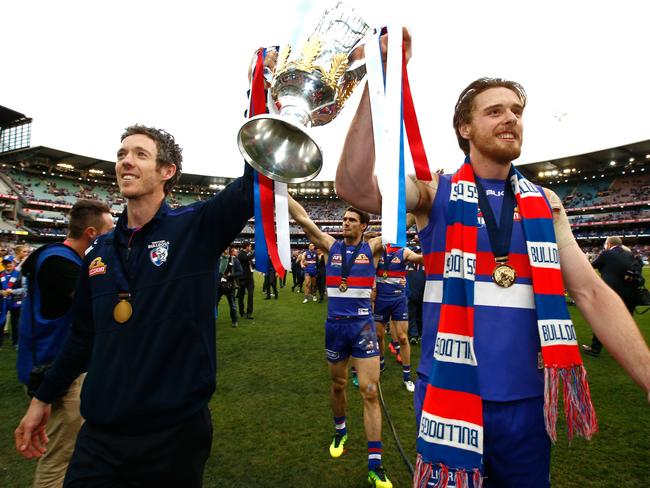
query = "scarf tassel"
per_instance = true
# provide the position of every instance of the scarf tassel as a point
(424, 473)
(578, 408)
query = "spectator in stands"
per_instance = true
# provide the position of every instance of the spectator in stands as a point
(144, 324)
(614, 264)
(52, 272)
(247, 280)
(464, 272)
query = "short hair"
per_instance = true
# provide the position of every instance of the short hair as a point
(364, 217)
(614, 241)
(245, 244)
(84, 214)
(465, 103)
(168, 151)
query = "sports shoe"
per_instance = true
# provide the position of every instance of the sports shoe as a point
(398, 358)
(305, 300)
(355, 380)
(392, 348)
(235, 324)
(589, 351)
(409, 385)
(337, 447)
(377, 478)
(413, 340)
(314, 298)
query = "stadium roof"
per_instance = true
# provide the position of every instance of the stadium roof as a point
(635, 154)
(10, 117)
(625, 156)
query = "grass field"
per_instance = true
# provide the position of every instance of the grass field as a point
(273, 422)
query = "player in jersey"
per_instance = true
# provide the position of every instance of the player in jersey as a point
(391, 304)
(507, 338)
(309, 260)
(349, 329)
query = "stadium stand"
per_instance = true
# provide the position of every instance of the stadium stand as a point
(604, 192)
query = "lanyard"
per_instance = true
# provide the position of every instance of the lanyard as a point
(386, 262)
(346, 265)
(499, 237)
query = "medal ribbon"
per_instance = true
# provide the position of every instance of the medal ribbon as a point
(119, 272)
(346, 265)
(386, 262)
(499, 237)
(420, 162)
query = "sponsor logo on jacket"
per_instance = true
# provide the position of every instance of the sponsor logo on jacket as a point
(97, 267)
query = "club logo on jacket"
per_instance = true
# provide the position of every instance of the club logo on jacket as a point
(96, 267)
(158, 252)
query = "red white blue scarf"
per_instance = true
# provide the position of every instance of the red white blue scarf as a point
(450, 438)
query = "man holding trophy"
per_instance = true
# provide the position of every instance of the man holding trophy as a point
(497, 337)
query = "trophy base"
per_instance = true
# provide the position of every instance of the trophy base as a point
(280, 149)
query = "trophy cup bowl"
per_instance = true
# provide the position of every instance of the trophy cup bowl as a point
(308, 89)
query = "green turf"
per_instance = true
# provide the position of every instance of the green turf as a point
(273, 422)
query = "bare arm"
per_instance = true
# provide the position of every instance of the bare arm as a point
(413, 257)
(314, 234)
(606, 314)
(355, 180)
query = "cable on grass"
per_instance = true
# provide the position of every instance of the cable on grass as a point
(394, 431)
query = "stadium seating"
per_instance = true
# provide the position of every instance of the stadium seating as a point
(47, 197)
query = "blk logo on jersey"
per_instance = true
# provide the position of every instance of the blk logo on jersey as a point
(96, 267)
(158, 252)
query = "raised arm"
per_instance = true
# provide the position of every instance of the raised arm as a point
(314, 234)
(355, 180)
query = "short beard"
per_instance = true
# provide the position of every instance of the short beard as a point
(503, 155)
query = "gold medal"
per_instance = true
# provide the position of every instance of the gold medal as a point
(343, 287)
(123, 310)
(504, 275)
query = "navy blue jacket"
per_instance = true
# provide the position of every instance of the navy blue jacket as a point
(158, 368)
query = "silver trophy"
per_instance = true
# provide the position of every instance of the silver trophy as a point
(308, 89)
